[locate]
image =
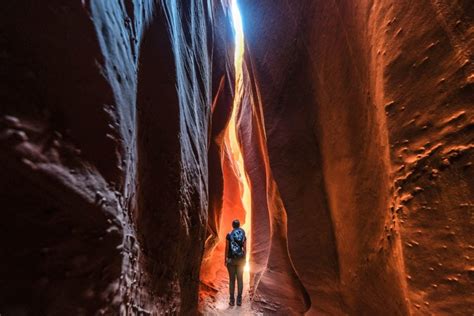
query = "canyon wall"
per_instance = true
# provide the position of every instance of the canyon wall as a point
(104, 142)
(356, 125)
(427, 75)
(367, 111)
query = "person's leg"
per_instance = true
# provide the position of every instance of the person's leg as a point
(240, 283)
(232, 272)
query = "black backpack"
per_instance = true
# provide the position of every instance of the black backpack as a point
(237, 237)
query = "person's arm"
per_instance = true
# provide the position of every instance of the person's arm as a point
(226, 251)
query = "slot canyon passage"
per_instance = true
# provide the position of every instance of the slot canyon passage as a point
(340, 132)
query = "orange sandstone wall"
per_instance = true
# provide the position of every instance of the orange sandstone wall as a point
(367, 111)
(357, 131)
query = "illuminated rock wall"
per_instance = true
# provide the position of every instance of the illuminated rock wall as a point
(367, 110)
(356, 125)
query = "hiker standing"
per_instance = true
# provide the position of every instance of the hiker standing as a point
(235, 251)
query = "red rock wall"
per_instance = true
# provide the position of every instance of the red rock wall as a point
(276, 286)
(326, 72)
(428, 76)
(356, 126)
(104, 141)
(222, 85)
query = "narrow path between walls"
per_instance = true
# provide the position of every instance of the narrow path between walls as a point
(218, 304)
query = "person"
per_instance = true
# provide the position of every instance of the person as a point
(235, 251)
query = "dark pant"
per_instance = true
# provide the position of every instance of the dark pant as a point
(236, 270)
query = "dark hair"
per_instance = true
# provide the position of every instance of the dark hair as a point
(235, 223)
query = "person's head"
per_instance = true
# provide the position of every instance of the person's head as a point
(235, 223)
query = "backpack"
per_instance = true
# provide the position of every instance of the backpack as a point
(237, 237)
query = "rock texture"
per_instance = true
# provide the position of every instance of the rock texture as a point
(429, 102)
(356, 125)
(104, 140)
(367, 113)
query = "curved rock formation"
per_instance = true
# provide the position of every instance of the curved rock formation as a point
(356, 127)
(326, 72)
(104, 129)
